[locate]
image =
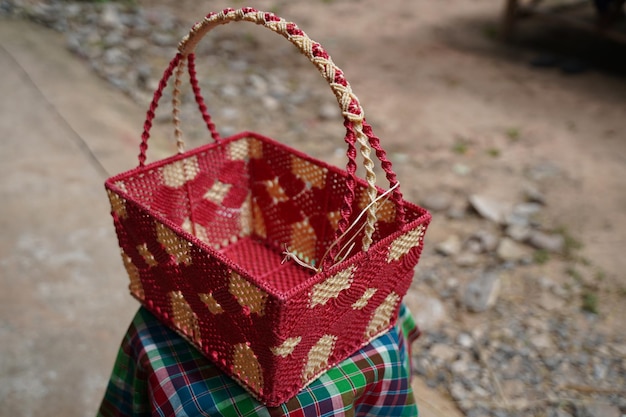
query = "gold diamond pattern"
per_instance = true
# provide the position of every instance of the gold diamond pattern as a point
(118, 204)
(402, 245)
(382, 315)
(195, 229)
(217, 192)
(286, 348)
(258, 221)
(211, 303)
(146, 254)
(136, 288)
(365, 298)
(318, 356)
(248, 296)
(331, 287)
(245, 216)
(238, 150)
(255, 148)
(303, 240)
(333, 218)
(311, 174)
(276, 191)
(175, 246)
(184, 318)
(177, 173)
(246, 366)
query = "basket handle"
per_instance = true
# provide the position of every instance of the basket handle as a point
(357, 129)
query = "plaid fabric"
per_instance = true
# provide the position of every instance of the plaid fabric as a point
(158, 373)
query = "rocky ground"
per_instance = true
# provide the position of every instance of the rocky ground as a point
(518, 319)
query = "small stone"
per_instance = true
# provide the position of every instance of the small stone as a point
(488, 241)
(509, 250)
(465, 340)
(270, 103)
(461, 170)
(229, 91)
(533, 195)
(135, 44)
(259, 85)
(597, 410)
(482, 293)
(527, 209)
(550, 302)
(442, 352)
(457, 210)
(429, 312)
(600, 371)
(115, 56)
(490, 209)
(110, 17)
(466, 259)
(518, 233)
(551, 243)
(329, 111)
(436, 202)
(449, 247)
(163, 39)
(541, 341)
(559, 413)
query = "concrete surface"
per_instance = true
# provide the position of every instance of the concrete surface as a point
(64, 305)
(63, 300)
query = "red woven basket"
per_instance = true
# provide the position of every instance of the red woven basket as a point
(203, 236)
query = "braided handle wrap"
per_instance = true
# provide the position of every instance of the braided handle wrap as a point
(349, 104)
(357, 129)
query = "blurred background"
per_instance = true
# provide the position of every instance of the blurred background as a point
(504, 118)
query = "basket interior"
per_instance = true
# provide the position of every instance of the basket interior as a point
(252, 199)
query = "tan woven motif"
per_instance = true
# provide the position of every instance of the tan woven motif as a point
(319, 354)
(313, 175)
(255, 148)
(333, 218)
(176, 174)
(247, 295)
(195, 229)
(331, 287)
(276, 191)
(365, 298)
(118, 204)
(211, 303)
(238, 150)
(402, 245)
(303, 240)
(382, 315)
(246, 366)
(258, 221)
(385, 209)
(176, 247)
(286, 348)
(217, 192)
(136, 288)
(147, 255)
(184, 317)
(245, 216)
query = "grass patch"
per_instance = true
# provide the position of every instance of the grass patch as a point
(574, 274)
(493, 152)
(460, 147)
(541, 256)
(513, 133)
(589, 302)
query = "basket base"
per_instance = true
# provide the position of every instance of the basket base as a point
(265, 262)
